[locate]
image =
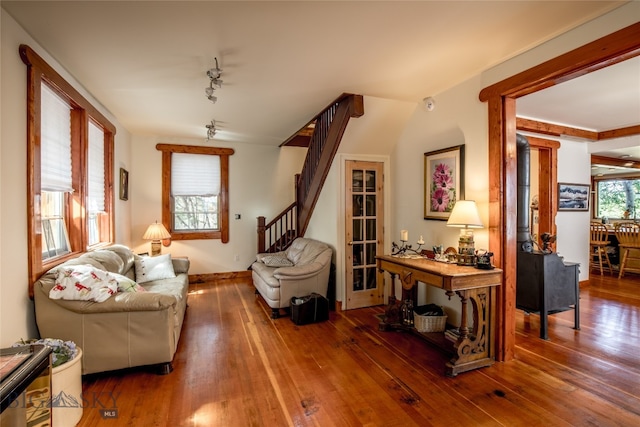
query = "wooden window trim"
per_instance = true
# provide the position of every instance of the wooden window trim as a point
(39, 71)
(224, 153)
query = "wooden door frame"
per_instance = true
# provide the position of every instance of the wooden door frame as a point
(501, 98)
(547, 188)
(380, 218)
(341, 235)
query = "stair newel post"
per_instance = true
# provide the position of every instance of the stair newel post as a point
(261, 230)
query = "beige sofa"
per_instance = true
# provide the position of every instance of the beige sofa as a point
(129, 328)
(300, 270)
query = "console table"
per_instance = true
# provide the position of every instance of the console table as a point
(475, 347)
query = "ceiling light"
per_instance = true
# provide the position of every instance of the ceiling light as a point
(209, 89)
(214, 79)
(214, 73)
(211, 130)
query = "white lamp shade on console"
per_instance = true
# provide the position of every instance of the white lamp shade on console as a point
(156, 232)
(465, 215)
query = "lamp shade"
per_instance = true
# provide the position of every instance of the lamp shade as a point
(465, 214)
(156, 232)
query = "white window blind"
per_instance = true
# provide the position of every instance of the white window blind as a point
(195, 174)
(95, 202)
(55, 143)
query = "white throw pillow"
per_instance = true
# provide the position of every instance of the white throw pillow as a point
(84, 283)
(150, 268)
(277, 261)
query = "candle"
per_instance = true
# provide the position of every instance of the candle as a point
(421, 241)
(404, 235)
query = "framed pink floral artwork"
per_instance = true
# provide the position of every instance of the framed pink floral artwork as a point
(443, 181)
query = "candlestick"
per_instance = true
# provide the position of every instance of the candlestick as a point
(421, 241)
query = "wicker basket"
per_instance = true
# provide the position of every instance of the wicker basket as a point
(429, 323)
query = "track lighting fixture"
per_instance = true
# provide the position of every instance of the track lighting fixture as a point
(209, 92)
(211, 130)
(214, 80)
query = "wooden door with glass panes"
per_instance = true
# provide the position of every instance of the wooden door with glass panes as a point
(364, 233)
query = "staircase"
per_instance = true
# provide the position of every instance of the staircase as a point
(322, 136)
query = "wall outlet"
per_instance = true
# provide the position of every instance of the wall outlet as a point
(236, 257)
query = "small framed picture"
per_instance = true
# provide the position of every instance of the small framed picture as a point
(573, 197)
(124, 184)
(443, 181)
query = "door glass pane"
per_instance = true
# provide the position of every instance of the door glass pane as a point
(358, 280)
(357, 230)
(371, 278)
(371, 205)
(356, 179)
(357, 205)
(358, 254)
(371, 181)
(371, 229)
(371, 253)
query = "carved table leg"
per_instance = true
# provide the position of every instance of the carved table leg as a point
(473, 348)
(392, 313)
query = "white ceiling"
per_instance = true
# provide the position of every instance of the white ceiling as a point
(283, 62)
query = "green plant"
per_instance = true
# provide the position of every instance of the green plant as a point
(62, 351)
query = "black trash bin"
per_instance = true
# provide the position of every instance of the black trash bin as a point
(309, 309)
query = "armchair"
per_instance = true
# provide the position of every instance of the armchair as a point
(300, 270)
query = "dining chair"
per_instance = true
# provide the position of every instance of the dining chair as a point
(598, 243)
(628, 235)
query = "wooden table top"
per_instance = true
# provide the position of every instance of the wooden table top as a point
(441, 274)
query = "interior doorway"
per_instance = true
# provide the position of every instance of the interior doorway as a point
(501, 97)
(364, 220)
(544, 187)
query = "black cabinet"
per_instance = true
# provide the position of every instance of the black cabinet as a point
(546, 285)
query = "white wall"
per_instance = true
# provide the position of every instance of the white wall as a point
(458, 118)
(573, 227)
(16, 310)
(261, 183)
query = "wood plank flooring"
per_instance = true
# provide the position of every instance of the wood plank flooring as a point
(237, 367)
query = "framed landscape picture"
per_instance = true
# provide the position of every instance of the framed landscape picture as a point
(573, 197)
(443, 181)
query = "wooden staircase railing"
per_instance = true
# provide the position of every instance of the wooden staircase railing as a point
(278, 234)
(328, 129)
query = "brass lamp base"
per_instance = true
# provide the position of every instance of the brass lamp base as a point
(156, 247)
(466, 248)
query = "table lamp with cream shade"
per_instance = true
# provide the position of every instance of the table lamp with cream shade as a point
(465, 214)
(156, 232)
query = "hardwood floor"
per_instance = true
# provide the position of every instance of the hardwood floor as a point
(237, 367)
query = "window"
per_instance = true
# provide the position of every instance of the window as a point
(195, 191)
(618, 198)
(55, 172)
(70, 169)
